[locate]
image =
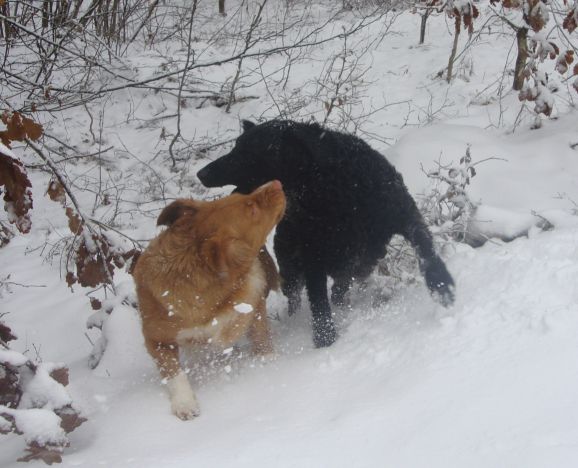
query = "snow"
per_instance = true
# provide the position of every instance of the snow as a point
(13, 358)
(5, 425)
(41, 391)
(489, 382)
(7, 151)
(490, 221)
(243, 308)
(38, 425)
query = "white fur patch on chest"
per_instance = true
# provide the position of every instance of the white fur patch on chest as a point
(256, 283)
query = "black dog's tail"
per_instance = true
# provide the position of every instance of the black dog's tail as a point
(437, 277)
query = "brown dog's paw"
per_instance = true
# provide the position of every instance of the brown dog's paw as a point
(184, 404)
(185, 410)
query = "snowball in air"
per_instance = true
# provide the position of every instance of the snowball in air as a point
(243, 308)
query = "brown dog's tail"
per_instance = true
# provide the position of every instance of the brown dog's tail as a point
(270, 269)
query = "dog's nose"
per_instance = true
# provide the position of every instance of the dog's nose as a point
(203, 174)
(274, 185)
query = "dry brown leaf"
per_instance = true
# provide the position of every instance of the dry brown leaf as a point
(71, 278)
(32, 129)
(554, 53)
(510, 3)
(18, 128)
(95, 303)
(10, 392)
(535, 18)
(48, 454)
(90, 266)
(569, 22)
(6, 334)
(60, 375)
(75, 223)
(56, 192)
(17, 196)
(561, 65)
(70, 418)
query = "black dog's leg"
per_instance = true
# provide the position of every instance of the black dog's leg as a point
(437, 277)
(290, 262)
(339, 289)
(291, 280)
(324, 333)
(291, 285)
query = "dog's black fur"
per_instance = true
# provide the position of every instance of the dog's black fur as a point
(345, 202)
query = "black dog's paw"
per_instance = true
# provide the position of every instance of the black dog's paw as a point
(324, 336)
(293, 304)
(444, 294)
(440, 282)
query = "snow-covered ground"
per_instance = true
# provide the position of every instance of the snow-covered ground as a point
(490, 382)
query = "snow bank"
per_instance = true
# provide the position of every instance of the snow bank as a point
(40, 426)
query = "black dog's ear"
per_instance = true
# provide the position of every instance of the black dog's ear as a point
(247, 125)
(175, 210)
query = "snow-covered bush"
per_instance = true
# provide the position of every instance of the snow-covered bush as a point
(34, 403)
(447, 207)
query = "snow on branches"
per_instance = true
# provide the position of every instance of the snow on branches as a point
(96, 250)
(34, 403)
(463, 10)
(535, 46)
(528, 18)
(448, 206)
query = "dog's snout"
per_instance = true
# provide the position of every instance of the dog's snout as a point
(203, 174)
(276, 185)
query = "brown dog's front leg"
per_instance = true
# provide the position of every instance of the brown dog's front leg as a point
(260, 332)
(184, 403)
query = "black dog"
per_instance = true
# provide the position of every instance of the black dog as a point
(345, 202)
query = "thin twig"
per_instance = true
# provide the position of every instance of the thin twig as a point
(190, 56)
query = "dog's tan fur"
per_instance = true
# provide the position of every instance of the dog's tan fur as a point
(192, 278)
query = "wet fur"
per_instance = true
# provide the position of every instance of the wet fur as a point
(345, 202)
(191, 276)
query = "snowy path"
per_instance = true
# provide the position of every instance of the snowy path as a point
(490, 383)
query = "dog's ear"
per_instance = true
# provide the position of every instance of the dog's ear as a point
(175, 210)
(247, 125)
(270, 269)
(225, 256)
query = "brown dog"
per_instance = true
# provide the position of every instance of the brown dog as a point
(203, 281)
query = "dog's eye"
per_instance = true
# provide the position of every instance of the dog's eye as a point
(252, 208)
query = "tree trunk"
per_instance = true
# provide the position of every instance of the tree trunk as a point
(454, 48)
(422, 26)
(521, 37)
(46, 13)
